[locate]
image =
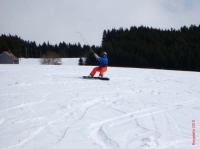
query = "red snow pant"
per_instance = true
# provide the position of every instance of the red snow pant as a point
(100, 69)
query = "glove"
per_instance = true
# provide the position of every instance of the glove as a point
(95, 55)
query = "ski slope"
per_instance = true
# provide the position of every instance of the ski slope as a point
(52, 107)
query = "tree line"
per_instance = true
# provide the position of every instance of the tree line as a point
(29, 49)
(146, 47)
(142, 47)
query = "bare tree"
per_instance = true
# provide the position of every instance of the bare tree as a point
(51, 58)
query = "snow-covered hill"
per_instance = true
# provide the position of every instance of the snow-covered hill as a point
(52, 107)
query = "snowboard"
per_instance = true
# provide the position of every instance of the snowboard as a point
(97, 78)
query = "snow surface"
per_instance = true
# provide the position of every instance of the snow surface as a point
(52, 107)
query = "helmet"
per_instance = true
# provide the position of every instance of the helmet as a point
(104, 53)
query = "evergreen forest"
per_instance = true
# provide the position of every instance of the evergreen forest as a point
(141, 47)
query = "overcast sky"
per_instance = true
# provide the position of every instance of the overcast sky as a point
(55, 21)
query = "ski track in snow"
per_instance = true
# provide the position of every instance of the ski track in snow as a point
(51, 107)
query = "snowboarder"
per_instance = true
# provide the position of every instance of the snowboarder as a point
(103, 62)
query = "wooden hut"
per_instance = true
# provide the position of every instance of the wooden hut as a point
(7, 57)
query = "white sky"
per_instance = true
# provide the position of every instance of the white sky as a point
(59, 20)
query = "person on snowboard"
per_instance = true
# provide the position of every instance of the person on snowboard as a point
(103, 62)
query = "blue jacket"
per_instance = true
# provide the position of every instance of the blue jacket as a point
(103, 61)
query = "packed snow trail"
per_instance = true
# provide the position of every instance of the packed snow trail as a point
(53, 107)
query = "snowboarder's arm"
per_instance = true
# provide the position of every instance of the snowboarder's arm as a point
(95, 55)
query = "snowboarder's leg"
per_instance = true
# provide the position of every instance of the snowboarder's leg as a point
(103, 69)
(93, 72)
